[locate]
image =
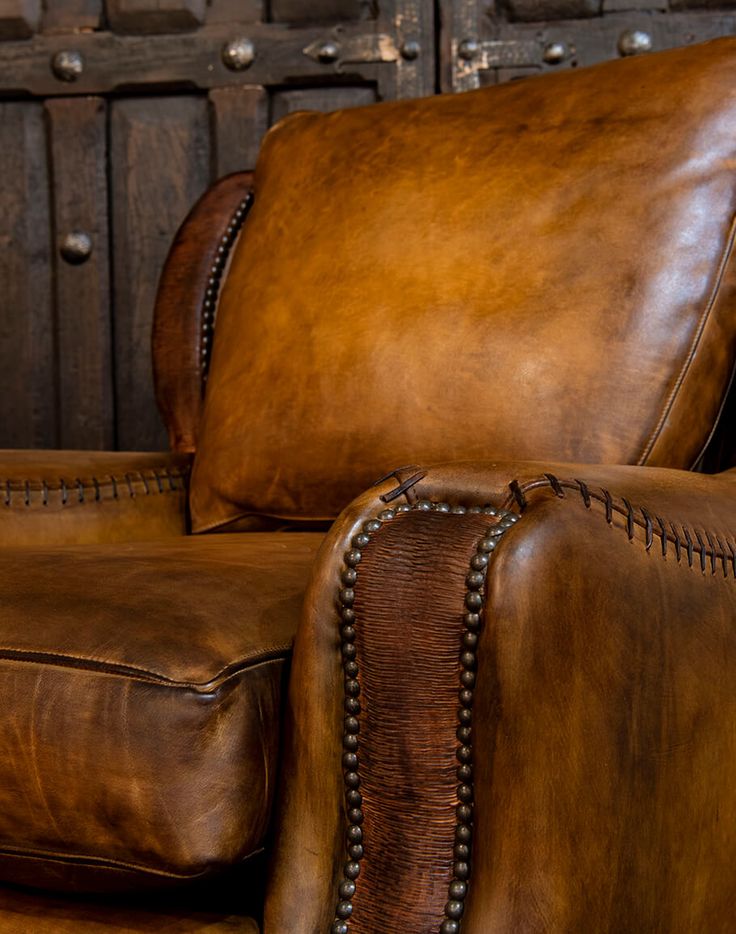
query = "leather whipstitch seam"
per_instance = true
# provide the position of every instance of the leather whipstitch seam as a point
(686, 540)
(90, 489)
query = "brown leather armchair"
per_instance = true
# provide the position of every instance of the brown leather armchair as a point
(511, 699)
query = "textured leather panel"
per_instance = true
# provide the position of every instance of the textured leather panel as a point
(140, 688)
(80, 497)
(408, 651)
(536, 270)
(24, 912)
(605, 769)
(603, 762)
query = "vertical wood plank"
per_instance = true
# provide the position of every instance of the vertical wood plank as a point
(79, 157)
(71, 14)
(321, 11)
(235, 11)
(153, 16)
(325, 99)
(27, 376)
(239, 120)
(160, 158)
(19, 19)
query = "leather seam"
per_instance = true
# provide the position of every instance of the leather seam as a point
(100, 667)
(90, 489)
(687, 541)
(694, 345)
(101, 862)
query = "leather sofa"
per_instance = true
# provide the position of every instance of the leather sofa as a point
(510, 704)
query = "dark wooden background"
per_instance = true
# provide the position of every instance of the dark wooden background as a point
(120, 144)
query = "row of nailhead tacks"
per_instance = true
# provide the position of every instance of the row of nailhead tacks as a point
(213, 282)
(472, 619)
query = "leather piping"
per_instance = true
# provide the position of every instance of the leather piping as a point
(99, 666)
(725, 257)
(104, 863)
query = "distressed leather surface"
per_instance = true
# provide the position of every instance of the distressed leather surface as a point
(140, 688)
(536, 270)
(603, 755)
(24, 912)
(78, 497)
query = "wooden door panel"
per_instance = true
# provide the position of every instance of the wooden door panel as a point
(325, 99)
(160, 150)
(127, 110)
(27, 369)
(19, 19)
(147, 16)
(78, 146)
(240, 117)
(482, 44)
(69, 15)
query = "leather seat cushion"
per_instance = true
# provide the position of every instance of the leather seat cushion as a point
(23, 912)
(538, 270)
(139, 705)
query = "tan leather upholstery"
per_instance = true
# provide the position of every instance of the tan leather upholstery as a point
(33, 913)
(140, 694)
(601, 763)
(536, 270)
(75, 497)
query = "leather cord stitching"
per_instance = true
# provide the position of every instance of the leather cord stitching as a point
(687, 541)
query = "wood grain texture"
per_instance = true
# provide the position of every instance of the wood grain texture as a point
(235, 11)
(323, 99)
(297, 11)
(239, 121)
(27, 365)
(79, 159)
(160, 148)
(19, 18)
(151, 16)
(72, 14)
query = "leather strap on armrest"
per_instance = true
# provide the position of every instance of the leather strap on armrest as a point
(544, 659)
(76, 497)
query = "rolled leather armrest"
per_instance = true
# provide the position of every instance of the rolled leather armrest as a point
(76, 497)
(512, 704)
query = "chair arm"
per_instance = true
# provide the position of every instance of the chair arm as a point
(76, 497)
(513, 696)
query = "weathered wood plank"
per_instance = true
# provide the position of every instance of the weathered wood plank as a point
(321, 11)
(239, 120)
(79, 174)
(153, 16)
(27, 370)
(324, 99)
(235, 11)
(19, 19)
(160, 157)
(71, 15)
(113, 62)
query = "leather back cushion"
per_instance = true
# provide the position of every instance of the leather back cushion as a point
(536, 270)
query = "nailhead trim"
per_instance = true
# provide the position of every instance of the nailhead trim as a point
(212, 291)
(473, 601)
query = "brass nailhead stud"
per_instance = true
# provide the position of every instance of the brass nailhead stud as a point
(67, 65)
(76, 247)
(634, 42)
(238, 54)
